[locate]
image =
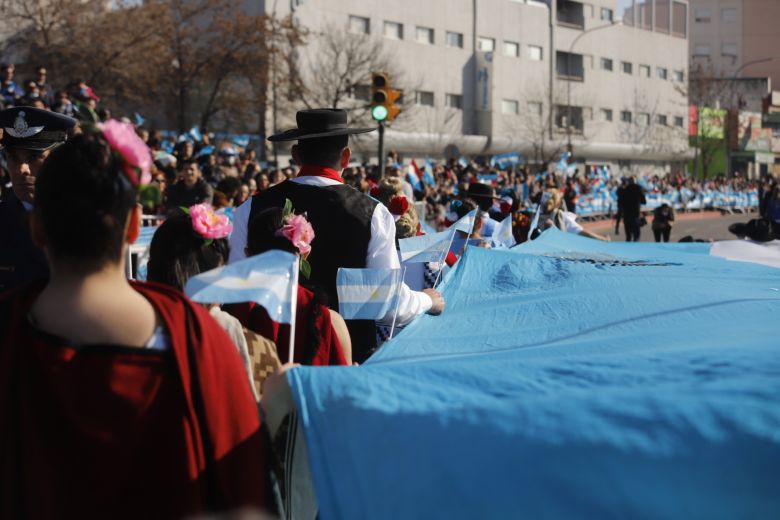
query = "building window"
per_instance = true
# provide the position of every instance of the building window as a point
(486, 44)
(606, 14)
(455, 39)
(453, 101)
(512, 49)
(701, 50)
(679, 121)
(606, 114)
(535, 53)
(424, 35)
(702, 15)
(362, 92)
(358, 25)
(606, 64)
(571, 14)
(569, 66)
(643, 119)
(728, 14)
(644, 71)
(393, 30)
(679, 75)
(728, 50)
(662, 120)
(628, 68)
(662, 73)
(680, 19)
(625, 116)
(510, 106)
(535, 108)
(424, 98)
(662, 16)
(569, 118)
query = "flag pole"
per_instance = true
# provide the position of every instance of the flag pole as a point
(444, 255)
(397, 303)
(294, 303)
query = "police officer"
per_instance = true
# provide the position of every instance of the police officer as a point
(28, 135)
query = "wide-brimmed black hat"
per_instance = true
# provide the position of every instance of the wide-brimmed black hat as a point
(758, 229)
(31, 128)
(482, 190)
(319, 122)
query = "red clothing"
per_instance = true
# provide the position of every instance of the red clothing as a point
(328, 349)
(107, 431)
(310, 170)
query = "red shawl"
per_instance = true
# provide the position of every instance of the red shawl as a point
(328, 350)
(106, 431)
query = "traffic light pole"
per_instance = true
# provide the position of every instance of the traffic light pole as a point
(381, 125)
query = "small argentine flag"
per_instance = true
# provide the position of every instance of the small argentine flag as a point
(466, 222)
(269, 279)
(367, 294)
(426, 248)
(502, 234)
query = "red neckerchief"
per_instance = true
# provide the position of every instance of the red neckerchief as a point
(312, 170)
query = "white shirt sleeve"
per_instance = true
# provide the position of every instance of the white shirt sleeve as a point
(238, 236)
(570, 223)
(382, 254)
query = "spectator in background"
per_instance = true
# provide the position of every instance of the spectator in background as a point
(190, 189)
(41, 80)
(10, 91)
(63, 105)
(630, 200)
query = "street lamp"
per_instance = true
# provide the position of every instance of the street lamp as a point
(568, 70)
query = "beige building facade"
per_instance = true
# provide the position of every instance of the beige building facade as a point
(485, 77)
(736, 38)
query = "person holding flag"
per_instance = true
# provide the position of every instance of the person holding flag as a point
(352, 229)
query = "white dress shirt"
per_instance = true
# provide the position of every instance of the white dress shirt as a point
(381, 251)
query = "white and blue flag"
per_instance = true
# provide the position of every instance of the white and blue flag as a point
(268, 279)
(367, 294)
(426, 248)
(502, 234)
(466, 222)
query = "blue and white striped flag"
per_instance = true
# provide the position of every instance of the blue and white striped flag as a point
(502, 234)
(367, 294)
(426, 248)
(268, 279)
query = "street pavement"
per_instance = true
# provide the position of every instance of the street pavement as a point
(706, 226)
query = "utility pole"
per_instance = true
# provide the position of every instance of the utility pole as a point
(381, 152)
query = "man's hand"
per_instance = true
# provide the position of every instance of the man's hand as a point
(438, 301)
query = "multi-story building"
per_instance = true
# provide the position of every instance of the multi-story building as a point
(736, 38)
(605, 78)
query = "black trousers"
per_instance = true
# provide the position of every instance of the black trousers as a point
(662, 233)
(632, 228)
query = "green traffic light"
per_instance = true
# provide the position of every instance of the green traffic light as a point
(379, 112)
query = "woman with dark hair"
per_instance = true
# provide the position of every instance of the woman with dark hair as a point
(321, 336)
(189, 244)
(117, 399)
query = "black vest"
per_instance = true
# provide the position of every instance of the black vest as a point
(341, 218)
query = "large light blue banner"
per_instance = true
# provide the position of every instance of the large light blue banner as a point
(567, 378)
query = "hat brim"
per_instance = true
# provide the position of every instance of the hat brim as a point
(297, 134)
(482, 196)
(29, 144)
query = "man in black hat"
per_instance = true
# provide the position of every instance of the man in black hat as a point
(28, 135)
(351, 229)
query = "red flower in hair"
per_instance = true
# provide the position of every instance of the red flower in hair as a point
(374, 192)
(398, 205)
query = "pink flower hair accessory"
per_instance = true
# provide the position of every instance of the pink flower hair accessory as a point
(207, 223)
(135, 154)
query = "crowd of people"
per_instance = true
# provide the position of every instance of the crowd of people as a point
(118, 397)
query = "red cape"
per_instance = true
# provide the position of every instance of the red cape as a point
(328, 350)
(105, 431)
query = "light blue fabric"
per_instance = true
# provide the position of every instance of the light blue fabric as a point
(567, 378)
